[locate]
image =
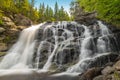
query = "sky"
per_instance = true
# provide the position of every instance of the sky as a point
(51, 3)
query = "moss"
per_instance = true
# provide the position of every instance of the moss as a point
(7, 39)
(116, 75)
(1, 22)
(2, 53)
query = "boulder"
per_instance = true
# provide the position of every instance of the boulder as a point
(8, 23)
(3, 47)
(101, 77)
(117, 65)
(6, 19)
(21, 20)
(86, 18)
(2, 30)
(91, 73)
(107, 70)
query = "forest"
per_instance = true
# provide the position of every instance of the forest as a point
(28, 9)
(107, 10)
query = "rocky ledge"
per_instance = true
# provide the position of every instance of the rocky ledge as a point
(10, 30)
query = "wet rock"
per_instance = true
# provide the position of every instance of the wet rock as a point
(68, 55)
(48, 33)
(59, 32)
(71, 27)
(91, 73)
(51, 40)
(40, 36)
(102, 60)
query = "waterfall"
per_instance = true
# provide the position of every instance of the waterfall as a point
(64, 46)
(20, 55)
(86, 52)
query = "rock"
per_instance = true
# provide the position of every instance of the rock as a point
(6, 19)
(101, 77)
(102, 60)
(117, 65)
(21, 27)
(91, 73)
(107, 70)
(22, 20)
(86, 18)
(3, 47)
(116, 75)
(2, 53)
(2, 30)
(8, 23)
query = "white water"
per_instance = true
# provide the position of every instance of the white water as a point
(85, 54)
(20, 55)
(101, 45)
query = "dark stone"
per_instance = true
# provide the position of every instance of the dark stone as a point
(102, 60)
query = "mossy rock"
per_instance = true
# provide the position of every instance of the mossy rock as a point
(3, 53)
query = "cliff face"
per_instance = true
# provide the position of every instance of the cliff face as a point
(10, 28)
(97, 45)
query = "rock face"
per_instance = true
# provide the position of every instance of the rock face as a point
(97, 68)
(1, 30)
(86, 18)
(117, 65)
(9, 33)
(21, 20)
(91, 73)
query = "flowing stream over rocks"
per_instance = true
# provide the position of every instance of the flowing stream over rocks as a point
(67, 47)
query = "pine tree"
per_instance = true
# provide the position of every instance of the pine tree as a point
(56, 9)
(42, 12)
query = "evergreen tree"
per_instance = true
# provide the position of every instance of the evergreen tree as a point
(51, 17)
(56, 9)
(42, 12)
(108, 10)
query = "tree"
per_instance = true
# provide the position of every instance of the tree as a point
(107, 10)
(41, 12)
(56, 9)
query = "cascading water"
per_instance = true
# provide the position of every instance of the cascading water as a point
(86, 53)
(66, 46)
(20, 55)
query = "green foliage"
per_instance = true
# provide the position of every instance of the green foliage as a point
(3, 53)
(47, 13)
(108, 10)
(1, 22)
(26, 8)
(116, 75)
